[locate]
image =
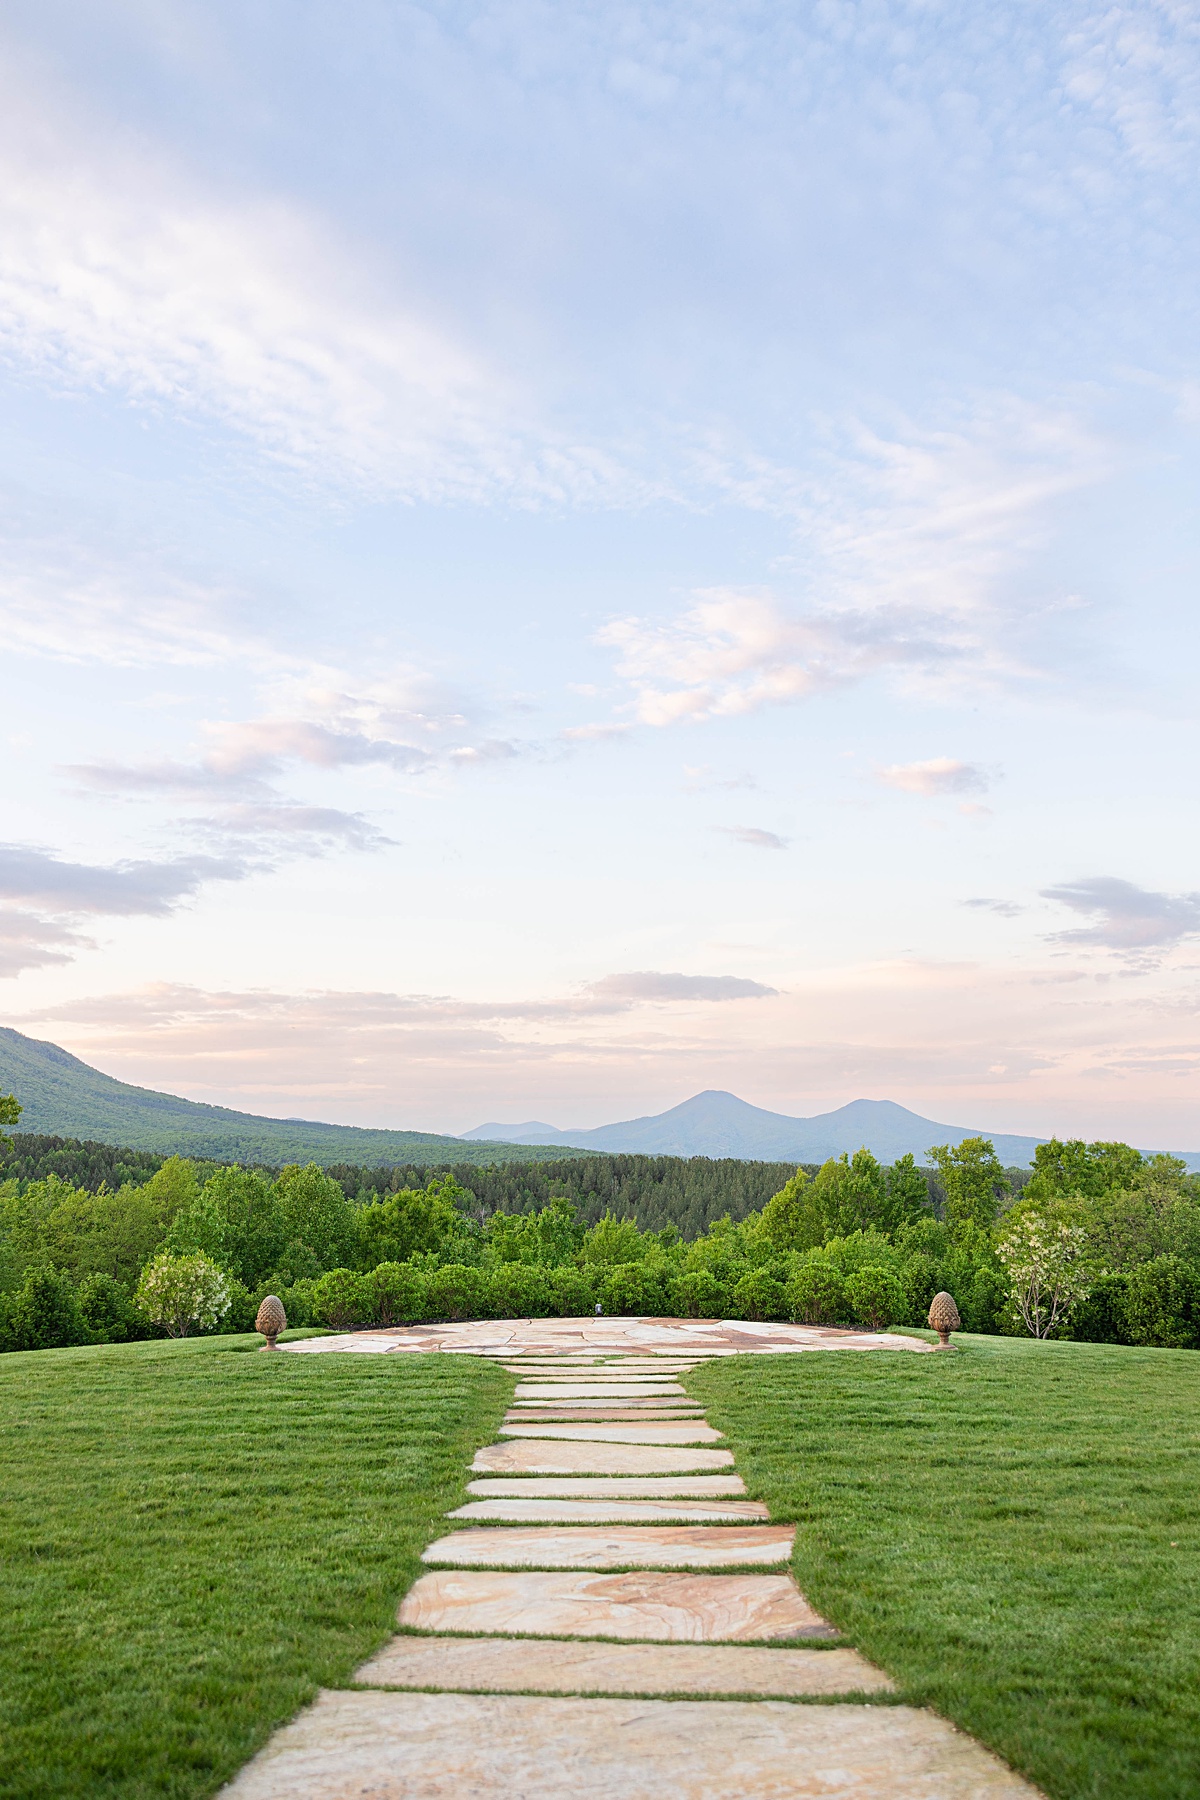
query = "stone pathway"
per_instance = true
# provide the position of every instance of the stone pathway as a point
(610, 1614)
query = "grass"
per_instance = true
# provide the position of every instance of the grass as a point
(193, 1540)
(1011, 1531)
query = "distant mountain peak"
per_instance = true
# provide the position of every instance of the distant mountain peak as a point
(717, 1123)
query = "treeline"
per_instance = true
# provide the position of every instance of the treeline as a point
(29, 1156)
(687, 1192)
(1100, 1242)
(656, 1191)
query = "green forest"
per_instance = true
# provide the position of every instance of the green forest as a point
(1094, 1241)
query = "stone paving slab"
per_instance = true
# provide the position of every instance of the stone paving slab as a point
(646, 1402)
(622, 1486)
(671, 1431)
(618, 1362)
(595, 1390)
(626, 1512)
(581, 1414)
(404, 1746)
(622, 1547)
(675, 1608)
(533, 1456)
(554, 1666)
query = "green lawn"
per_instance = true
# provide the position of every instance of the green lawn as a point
(192, 1540)
(1010, 1530)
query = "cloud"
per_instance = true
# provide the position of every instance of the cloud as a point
(648, 984)
(733, 653)
(55, 894)
(940, 775)
(302, 827)
(909, 540)
(120, 889)
(1128, 919)
(120, 271)
(1007, 909)
(752, 835)
(29, 941)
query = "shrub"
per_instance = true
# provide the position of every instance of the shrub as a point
(44, 1312)
(518, 1291)
(180, 1292)
(698, 1295)
(106, 1310)
(921, 1281)
(456, 1292)
(1162, 1304)
(816, 1294)
(297, 1301)
(1100, 1319)
(630, 1289)
(982, 1297)
(243, 1306)
(341, 1298)
(572, 1292)
(877, 1296)
(398, 1292)
(759, 1295)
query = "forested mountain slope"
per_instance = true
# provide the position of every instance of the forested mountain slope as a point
(64, 1097)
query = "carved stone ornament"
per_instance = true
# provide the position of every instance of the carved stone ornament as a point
(271, 1320)
(943, 1318)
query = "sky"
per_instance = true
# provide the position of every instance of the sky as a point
(557, 556)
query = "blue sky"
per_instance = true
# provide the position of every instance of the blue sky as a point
(559, 556)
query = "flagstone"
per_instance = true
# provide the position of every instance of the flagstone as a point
(590, 1487)
(580, 1414)
(621, 1547)
(559, 1666)
(635, 1364)
(627, 1512)
(408, 1746)
(678, 1608)
(651, 1403)
(672, 1431)
(595, 1390)
(533, 1456)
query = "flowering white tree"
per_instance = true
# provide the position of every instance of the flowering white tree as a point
(1047, 1271)
(180, 1292)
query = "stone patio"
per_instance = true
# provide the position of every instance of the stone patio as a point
(620, 1557)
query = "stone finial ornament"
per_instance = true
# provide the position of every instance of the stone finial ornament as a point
(943, 1318)
(272, 1320)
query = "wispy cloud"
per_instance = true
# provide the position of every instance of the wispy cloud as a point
(120, 271)
(297, 827)
(52, 895)
(1132, 920)
(119, 889)
(1007, 909)
(753, 836)
(732, 653)
(648, 984)
(1127, 919)
(910, 543)
(940, 775)
(32, 941)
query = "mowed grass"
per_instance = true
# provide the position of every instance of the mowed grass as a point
(1011, 1530)
(194, 1539)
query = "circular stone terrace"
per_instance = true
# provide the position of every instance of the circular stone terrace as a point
(603, 1335)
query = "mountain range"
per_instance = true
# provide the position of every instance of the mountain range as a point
(65, 1097)
(715, 1123)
